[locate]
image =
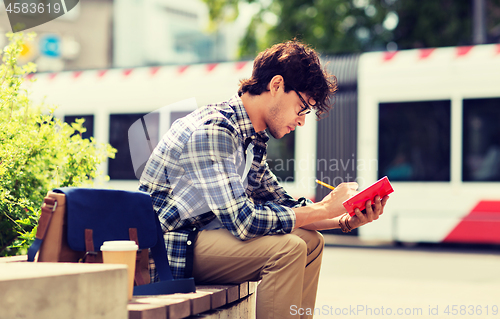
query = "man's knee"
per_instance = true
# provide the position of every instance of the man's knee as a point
(312, 238)
(317, 238)
(294, 245)
(299, 245)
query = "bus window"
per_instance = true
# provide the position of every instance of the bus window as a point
(119, 124)
(88, 124)
(481, 140)
(414, 141)
(281, 156)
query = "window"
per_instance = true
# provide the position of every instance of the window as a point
(88, 124)
(281, 157)
(481, 140)
(121, 166)
(414, 141)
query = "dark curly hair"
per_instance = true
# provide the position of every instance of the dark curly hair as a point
(300, 67)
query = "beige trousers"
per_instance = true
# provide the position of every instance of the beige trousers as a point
(287, 264)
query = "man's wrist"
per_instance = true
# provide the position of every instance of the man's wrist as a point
(322, 210)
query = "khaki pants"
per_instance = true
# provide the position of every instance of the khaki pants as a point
(287, 264)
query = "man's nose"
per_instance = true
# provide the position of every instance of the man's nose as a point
(301, 120)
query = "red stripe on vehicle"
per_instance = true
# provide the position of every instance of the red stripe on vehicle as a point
(211, 67)
(498, 48)
(52, 76)
(461, 51)
(487, 206)
(182, 69)
(481, 225)
(30, 76)
(154, 70)
(127, 72)
(425, 53)
(389, 55)
(101, 73)
(240, 65)
(76, 74)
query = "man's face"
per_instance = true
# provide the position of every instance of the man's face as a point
(286, 113)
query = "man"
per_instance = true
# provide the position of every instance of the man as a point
(226, 218)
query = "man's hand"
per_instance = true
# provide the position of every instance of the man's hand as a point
(333, 201)
(320, 215)
(373, 212)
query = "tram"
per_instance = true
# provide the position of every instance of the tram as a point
(431, 119)
(428, 119)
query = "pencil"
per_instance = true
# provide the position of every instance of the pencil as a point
(324, 184)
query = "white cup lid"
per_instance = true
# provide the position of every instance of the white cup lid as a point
(119, 245)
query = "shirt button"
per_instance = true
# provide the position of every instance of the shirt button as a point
(194, 229)
(189, 243)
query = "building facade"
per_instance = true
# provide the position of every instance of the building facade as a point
(80, 39)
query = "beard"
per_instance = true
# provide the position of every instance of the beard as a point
(275, 122)
(275, 133)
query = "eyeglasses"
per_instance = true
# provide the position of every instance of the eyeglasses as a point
(306, 109)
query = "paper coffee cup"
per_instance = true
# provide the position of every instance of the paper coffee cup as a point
(121, 252)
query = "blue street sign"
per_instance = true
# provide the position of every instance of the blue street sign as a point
(50, 45)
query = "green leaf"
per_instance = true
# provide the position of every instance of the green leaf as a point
(38, 152)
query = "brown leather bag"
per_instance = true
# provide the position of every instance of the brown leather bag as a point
(76, 221)
(52, 231)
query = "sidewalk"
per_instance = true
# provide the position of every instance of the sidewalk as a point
(385, 281)
(354, 241)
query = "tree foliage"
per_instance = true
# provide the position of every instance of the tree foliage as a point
(38, 152)
(434, 23)
(348, 26)
(333, 26)
(426, 24)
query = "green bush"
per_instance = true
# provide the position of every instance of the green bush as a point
(38, 152)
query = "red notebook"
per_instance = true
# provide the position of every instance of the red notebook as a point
(381, 187)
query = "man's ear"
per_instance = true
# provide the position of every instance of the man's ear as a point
(274, 85)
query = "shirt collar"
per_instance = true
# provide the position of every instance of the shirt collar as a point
(244, 122)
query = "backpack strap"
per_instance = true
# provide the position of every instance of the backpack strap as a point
(90, 252)
(141, 276)
(48, 207)
(159, 254)
(167, 284)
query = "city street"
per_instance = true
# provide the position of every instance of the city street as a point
(417, 282)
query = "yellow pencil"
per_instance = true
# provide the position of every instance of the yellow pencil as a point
(324, 184)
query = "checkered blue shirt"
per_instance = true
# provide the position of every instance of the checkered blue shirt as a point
(194, 176)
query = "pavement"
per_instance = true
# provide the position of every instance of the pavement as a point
(382, 280)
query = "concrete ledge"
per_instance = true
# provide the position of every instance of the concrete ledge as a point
(62, 290)
(13, 259)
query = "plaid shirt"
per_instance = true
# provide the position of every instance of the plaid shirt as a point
(194, 176)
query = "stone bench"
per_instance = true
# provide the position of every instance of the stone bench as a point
(63, 290)
(209, 301)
